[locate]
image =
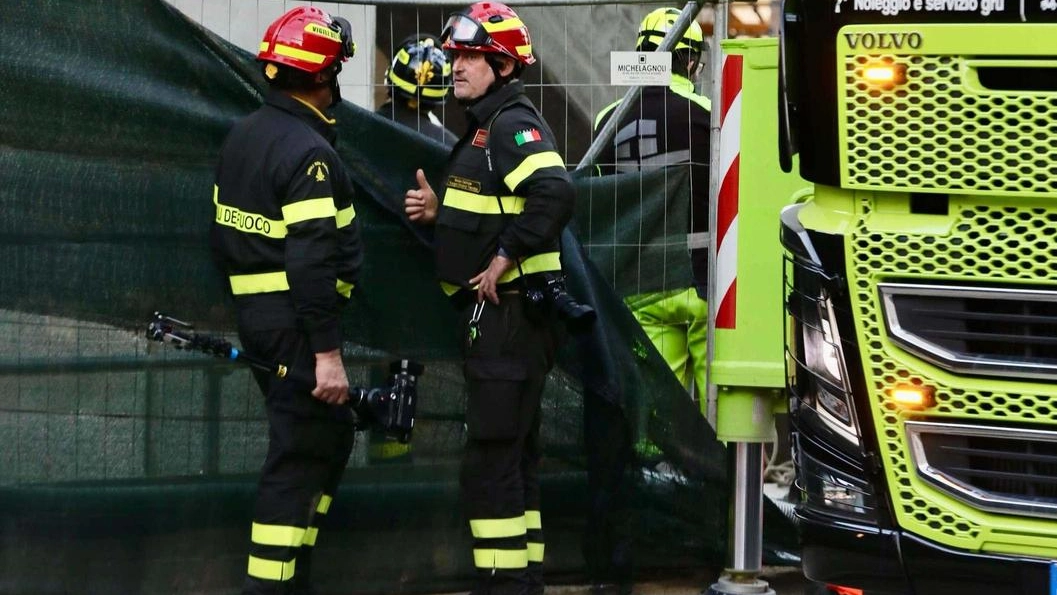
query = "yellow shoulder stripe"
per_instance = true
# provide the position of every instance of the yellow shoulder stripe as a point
(530, 165)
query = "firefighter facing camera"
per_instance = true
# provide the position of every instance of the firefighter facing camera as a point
(287, 240)
(417, 81)
(497, 223)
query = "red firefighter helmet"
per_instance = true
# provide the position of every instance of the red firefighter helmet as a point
(491, 27)
(306, 38)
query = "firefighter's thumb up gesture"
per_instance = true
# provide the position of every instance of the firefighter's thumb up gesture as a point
(420, 203)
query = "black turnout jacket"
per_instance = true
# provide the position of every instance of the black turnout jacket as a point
(285, 233)
(506, 188)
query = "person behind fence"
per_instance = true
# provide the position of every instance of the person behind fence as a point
(417, 81)
(669, 126)
(287, 240)
(506, 198)
(666, 127)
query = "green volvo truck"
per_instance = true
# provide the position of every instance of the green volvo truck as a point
(920, 284)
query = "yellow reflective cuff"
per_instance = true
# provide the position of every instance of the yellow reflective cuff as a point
(489, 559)
(271, 570)
(345, 288)
(535, 552)
(496, 528)
(259, 283)
(292, 52)
(548, 261)
(530, 165)
(482, 203)
(505, 25)
(449, 289)
(345, 216)
(245, 221)
(282, 535)
(533, 520)
(310, 536)
(324, 504)
(313, 208)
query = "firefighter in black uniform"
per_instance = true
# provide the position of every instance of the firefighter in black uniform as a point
(506, 199)
(286, 238)
(418, 80)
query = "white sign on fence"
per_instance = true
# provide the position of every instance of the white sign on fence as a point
(640, 68)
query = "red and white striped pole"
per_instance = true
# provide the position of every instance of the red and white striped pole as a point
(727, 209)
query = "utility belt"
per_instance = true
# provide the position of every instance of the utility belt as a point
(464, 297)
(544, 297)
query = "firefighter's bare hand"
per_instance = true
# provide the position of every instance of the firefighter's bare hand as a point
(420, 203)
(488, 279)
(332, 385)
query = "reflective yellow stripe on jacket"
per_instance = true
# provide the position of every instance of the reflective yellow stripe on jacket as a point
(271, 282)
(483, 203)
(530, 165)
(305, 210)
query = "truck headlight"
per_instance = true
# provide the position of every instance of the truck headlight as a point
(824, 359)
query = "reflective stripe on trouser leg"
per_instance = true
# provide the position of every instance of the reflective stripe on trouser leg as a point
(534, 536)
(534, 545)
(499, 543)
(304, 559)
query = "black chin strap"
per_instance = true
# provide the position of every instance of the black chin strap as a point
(335, 88)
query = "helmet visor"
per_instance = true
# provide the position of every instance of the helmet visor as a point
(344, 29)
(462, 29)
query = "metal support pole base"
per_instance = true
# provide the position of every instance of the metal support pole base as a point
(726, 585)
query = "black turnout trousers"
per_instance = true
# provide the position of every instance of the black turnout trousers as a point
(505, 368)
(309, 443)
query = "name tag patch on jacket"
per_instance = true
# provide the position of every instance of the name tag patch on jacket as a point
(527, 136)
(480, 138)
(460, 183)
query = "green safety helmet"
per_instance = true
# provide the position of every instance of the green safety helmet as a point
(658, 23)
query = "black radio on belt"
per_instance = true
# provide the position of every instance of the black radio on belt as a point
(390, 408)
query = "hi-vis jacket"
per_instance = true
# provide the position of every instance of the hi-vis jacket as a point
(506, 188)
(285, 233)
(667, 126)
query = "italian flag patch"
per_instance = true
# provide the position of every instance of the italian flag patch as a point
(527, 136)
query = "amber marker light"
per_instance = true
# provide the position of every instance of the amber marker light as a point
(884, 74)
(912, 397)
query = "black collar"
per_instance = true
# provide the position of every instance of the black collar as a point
(317, 120)
(480, 111)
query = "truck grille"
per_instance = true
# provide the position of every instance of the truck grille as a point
(999, 469)
(942, 130)
(985, 242)
(975, 330)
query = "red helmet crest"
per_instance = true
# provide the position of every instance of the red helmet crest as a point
(491, 27)
(306, 38)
